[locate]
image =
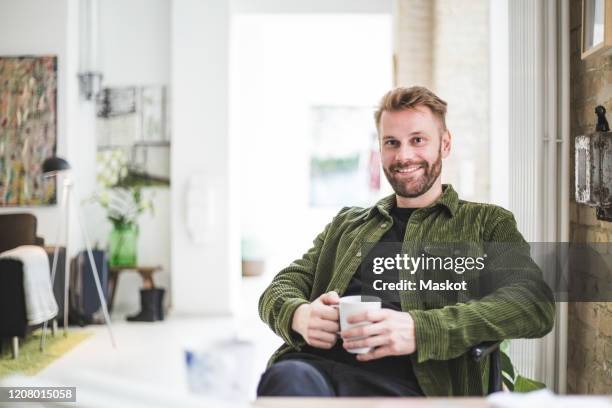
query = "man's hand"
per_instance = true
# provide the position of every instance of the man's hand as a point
(317, 322)
(391, 333)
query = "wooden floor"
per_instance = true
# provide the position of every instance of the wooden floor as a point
(153, 353)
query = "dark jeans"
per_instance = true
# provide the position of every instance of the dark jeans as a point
(301, 374)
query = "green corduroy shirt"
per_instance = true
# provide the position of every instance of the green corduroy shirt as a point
(522, 305)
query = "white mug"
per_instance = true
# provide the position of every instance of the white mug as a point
(351, 305)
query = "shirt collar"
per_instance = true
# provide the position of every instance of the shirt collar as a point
(448, 199)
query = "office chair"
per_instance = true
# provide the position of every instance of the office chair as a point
(490, 348)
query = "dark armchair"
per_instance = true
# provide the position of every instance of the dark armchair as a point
(17, 230)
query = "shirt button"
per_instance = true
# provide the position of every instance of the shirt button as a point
(359, 253)
(383, 225)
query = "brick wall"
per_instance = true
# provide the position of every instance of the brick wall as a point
(413, 37)
(461, 74)
(590, 324)
(444, 45)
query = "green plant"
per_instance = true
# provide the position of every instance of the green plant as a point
(512, 380)
(123, 205)
(120, 191)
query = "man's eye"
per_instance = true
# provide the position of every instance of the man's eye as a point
(391, 142)
(417, 140)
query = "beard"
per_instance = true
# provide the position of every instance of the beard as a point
(414, 186)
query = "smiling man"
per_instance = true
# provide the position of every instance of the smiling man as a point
(417, 347)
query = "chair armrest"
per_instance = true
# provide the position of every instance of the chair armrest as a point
(483, 349)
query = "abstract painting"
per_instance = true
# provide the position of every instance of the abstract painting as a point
(28, 129)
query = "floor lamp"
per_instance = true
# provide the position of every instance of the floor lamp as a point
(51, 168)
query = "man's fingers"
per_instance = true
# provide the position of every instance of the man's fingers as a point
(366, 330)
(372, 316)
(374, 341)
(330, 298)
(320, 344)
(378, 352)
(327, 313)
(325, 325)
(322, 336)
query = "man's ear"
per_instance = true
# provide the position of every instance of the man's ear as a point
(446, 143)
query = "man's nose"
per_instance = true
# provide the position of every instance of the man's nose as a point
(405, 153)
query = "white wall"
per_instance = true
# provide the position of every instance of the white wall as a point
(135, 42)
(461, 74)
(280, 69)
(205, 276)
(39, 27)
(134, 50)
(311, 6)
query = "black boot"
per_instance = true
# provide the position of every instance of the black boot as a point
(160, 303)
(148, 307)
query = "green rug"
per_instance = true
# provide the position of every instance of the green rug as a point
(31, 360)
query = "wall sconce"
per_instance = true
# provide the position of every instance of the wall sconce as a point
(90, 84)
(90, 77)
(593, 167)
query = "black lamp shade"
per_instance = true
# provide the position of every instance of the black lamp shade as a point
(54, 165)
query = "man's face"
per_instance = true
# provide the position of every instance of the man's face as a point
(412, 145)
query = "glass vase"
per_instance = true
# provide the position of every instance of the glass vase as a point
(123, 245)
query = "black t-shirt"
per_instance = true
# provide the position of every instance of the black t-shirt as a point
(392, 366)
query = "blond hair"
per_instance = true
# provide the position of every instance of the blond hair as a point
(401, 98)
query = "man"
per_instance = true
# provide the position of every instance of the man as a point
(416, 347)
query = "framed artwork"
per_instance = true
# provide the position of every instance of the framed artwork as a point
(344, 158)
(28, 129)
(596, 35)
(132, 122)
